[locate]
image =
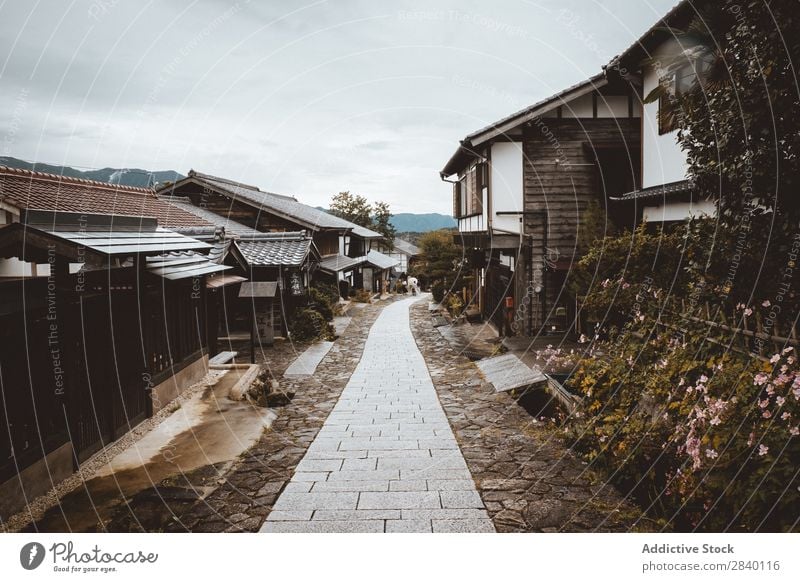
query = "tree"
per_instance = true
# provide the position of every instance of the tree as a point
(741, 134)
(383, 225)
(440, 258)
(352, 207)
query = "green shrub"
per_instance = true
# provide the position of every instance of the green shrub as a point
(320, 303)
(437, 289)
(308, 325)
(329, 291)
(454, 304)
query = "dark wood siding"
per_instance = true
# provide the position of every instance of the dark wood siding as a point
(562, 191)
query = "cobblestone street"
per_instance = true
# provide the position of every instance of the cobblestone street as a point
(386, 458)
(395, 432)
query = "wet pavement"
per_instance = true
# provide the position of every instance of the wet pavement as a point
(209, 430)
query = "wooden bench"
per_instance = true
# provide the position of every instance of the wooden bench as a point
(222, 358)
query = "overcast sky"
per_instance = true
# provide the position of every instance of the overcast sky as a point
(299, 98)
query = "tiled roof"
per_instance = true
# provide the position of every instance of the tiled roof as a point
(273, 249)
(231, 227)
(660, 191)
(285, 206)
(26, 189)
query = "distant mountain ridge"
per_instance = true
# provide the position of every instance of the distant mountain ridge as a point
(409, 222)
(122, 176)
(402, 222)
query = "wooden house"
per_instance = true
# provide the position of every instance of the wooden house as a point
(404, 253)
(334, 238)
(665, 194)
(101, 333)
(525, 186)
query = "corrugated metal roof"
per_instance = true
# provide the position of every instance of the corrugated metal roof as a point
(174, 269)
(380, 260)
(256, 289)
(274, 249)
(405, 247)
(339, 263)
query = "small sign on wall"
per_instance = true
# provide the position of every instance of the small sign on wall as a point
(296, 284)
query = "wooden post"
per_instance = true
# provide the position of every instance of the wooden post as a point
(252, 331)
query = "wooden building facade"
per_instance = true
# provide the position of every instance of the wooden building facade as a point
(526, 188)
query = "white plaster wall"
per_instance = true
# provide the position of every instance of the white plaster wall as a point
(663, 161)
(581, 107)
(678, 211)
(506, 181)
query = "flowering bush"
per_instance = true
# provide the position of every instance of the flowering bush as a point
(704, 439)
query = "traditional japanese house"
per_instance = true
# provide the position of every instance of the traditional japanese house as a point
(105, 331)
(287, 259)
(335, 239)
(659, 59)
(403, 252)
(525, 186)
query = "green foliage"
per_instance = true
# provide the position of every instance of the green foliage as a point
(440, 259)
(438, 289)
(352, 207)
(320, 303)
(308, 325)
(329, 291)
(383, 225)
(454, 304)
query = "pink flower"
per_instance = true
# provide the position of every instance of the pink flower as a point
(760, 379)
(780, 400)
(763, 403)
(795, 430)
(787, 350)
(711, 454)
(748, 312)
(605, 283)
(715, 421)
(786, 416)
(774, 359)
(703, 379)
(762, 450)
(766, 303)
(766, 414)
(626, 285)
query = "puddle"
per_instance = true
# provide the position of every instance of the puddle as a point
(208, 429)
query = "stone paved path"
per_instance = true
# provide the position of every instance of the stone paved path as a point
(386, 458)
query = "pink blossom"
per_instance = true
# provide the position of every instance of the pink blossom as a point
(770, 389)
(780, 400)
(762, 450)
(751, 438)
(760, 379)
(774, 359)
(605, 283)
(748, 312)
(626, 285)
(766, 414)
(711, 454)
(787, 350)
(786, 416)
(763, 403)
(766, 303)
(795, 430)
(715, 421)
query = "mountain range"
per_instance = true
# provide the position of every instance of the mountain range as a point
(402, 222)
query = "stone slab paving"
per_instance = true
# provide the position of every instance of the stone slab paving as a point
(307, 362)
(528, 478)
(386, 459)
(508, 372)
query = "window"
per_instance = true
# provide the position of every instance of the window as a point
(675, 83)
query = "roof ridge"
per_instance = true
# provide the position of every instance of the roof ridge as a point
(60, 178)
(195, 174)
